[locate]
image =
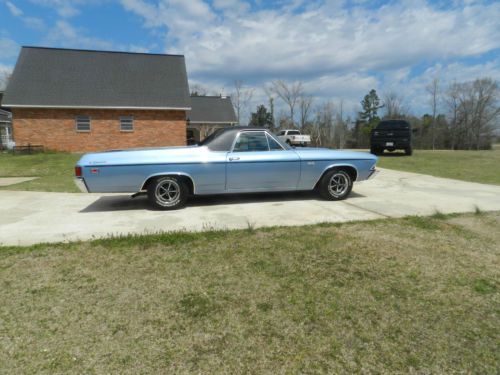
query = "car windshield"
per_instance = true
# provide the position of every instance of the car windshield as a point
(393, 125)
(222, 140)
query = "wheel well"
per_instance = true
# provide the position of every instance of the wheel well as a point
(353, 173)
(188, 181)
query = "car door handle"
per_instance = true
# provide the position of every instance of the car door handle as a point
(234, 158)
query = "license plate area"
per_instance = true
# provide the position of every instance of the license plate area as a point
(389, 144)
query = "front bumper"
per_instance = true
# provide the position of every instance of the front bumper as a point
(373, 173)
(80, 184)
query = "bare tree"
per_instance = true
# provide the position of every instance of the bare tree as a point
(340, 126)
(198, 90)
(270, 95)
(289, 93)
(241, 99)
(453, 103)
(474, 111)
(433, 90)
(305, 103)
(323, 132)
(4, 79)
(394, 105)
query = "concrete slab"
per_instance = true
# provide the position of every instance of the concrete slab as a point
(33, 217)
(7, 181)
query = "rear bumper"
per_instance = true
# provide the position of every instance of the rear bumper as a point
(80, 184)
(396, 144)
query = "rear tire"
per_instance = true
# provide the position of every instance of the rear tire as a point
(168, 193)
(408, 151)
(335, 185)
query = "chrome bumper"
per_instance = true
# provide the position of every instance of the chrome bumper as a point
(80, 184)
(373, 173)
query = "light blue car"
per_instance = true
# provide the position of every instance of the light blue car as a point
(232, 160)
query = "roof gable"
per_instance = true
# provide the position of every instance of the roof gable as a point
(212, 109)
(50, 77)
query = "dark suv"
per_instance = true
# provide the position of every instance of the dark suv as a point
(391, 135)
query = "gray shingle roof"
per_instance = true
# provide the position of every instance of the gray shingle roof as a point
(211, 109)
(51, 77)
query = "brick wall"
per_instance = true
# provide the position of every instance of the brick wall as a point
(55, 129)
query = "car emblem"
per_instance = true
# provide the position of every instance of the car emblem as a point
(94, 171)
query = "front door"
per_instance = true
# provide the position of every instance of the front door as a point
(259, 163)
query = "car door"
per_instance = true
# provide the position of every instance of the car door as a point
(258, 162)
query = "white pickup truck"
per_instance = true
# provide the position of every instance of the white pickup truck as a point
(294, 138)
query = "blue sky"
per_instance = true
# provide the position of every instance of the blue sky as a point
(338, 49)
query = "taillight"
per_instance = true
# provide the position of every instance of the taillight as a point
(78, 171)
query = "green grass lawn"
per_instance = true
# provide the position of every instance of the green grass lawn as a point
(475, 166)
(414, 295)
(55, 171)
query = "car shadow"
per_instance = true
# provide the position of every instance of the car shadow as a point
(126, 203)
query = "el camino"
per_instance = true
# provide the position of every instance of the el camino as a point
(232, 160)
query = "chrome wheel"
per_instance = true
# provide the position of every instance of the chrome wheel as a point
(167, 192)
(338, 184)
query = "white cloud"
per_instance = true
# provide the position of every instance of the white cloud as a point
(8, 47)
(321, 40)
(15, 11)
(32, 22)
(63, 34)
(66, 8)
(338, 49)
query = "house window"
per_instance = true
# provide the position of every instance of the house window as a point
(127, 124)
(82, 123)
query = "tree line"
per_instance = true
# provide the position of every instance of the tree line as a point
(462, 116)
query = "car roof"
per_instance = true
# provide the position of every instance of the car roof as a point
(225, 137)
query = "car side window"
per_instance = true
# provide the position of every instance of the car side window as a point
(273, 145)
(251, 141)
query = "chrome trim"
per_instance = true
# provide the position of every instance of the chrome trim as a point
(271, 135)
(265, 131)
(334, 166)
(80, 184)
(373, 173)
(170, 174)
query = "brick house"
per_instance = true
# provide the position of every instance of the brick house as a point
(79, 100)
(209, 113)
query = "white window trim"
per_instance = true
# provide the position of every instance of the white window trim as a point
(83, 131)
(133, 125)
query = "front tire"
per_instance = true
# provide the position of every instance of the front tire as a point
(335, 185)
(168, 193)
(408, 151)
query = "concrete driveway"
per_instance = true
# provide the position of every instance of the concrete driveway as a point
(33, 217)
